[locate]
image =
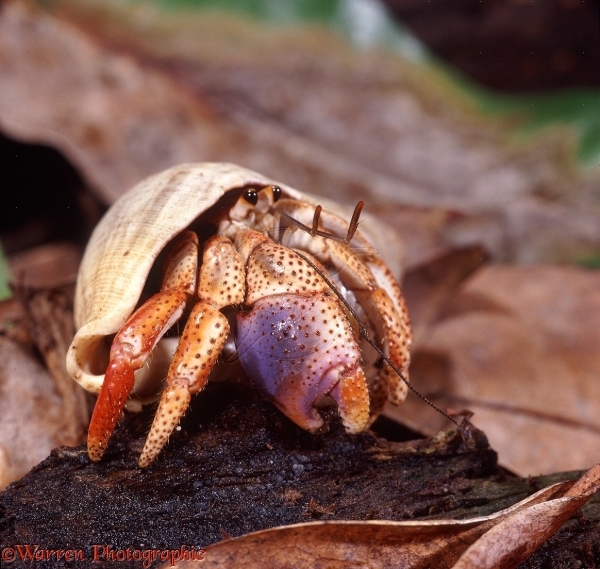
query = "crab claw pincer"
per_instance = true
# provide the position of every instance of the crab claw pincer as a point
(297, 349)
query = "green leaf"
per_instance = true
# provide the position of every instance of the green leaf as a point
(577, 108)
(5, 291)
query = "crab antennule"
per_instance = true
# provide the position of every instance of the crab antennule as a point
(220, 284)
(353, 226)
(315, 224)
(135, 341)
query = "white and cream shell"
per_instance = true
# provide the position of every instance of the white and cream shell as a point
(129, 238)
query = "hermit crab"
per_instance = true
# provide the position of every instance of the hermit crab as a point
(256, 273)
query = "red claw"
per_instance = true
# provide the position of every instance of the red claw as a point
(118, 383)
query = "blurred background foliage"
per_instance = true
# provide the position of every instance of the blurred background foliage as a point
(4, 276)
(571, 96)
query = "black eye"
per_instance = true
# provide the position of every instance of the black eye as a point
(276, 192)
(251, 196)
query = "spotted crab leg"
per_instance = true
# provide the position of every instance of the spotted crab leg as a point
(392, 306)
(135, 341)
(376, 291)
(221, 283)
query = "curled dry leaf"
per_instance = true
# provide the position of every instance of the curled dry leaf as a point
(51, 329)
(517, 536)
(429, 285)
(501, 540)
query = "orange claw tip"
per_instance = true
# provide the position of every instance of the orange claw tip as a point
(352, 396)
(101, 427)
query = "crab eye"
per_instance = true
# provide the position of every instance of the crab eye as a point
(276, 193)
(251, 196)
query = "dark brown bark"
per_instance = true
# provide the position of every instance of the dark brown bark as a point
(240, 466)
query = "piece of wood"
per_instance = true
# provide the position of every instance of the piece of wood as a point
(237, 465)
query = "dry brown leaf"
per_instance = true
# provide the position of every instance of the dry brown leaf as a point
(515, 538)
(428, 286)
(423, 230)
(47, 266)
(30, 411)
(40, 407)
(118, 124)
(523, 353)
(52, 328)
(409, 545)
